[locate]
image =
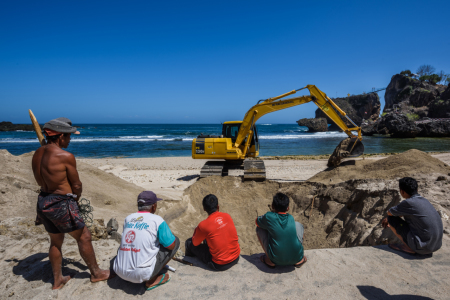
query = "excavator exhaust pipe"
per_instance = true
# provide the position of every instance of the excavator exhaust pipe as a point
(349, 147)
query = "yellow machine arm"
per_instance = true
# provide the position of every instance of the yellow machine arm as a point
(271, 105)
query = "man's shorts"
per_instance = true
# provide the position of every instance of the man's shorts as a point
(58, 213)
(203, 253)
(163, 256)
(264, 235)
(400, 226)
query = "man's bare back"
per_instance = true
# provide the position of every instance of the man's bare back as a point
(55, 170)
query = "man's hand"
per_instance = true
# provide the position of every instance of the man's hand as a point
(385, 223)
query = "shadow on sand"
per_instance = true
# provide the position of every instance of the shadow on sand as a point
(374, 293)
(254, 259)
(33, 268)
(403, 254)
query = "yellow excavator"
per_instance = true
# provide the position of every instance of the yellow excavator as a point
(239, 139)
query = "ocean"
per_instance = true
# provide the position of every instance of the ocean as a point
(163, 140)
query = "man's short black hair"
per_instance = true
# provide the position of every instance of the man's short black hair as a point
(210, 203)
(408, 185)
(280, 202)
(54, 138)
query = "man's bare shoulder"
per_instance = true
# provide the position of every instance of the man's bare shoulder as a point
(39, 151)
(63, 155)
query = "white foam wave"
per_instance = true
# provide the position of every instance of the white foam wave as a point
(303, 136)
(158, 138)
(133, 139)
(19, 141)
(140, 137)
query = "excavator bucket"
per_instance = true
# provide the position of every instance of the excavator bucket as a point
(349, 147)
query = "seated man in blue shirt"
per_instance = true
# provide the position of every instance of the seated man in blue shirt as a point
(421, 230)
(147, 245)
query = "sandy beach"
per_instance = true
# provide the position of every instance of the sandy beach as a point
(343, 263)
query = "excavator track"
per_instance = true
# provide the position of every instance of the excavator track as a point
(254, 170)
(212, 168)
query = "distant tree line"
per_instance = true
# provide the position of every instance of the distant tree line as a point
(427, 73)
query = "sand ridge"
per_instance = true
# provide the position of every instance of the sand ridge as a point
(409, 163)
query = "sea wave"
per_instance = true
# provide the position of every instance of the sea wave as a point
(141, 137)
(161, 138)
(303, 136)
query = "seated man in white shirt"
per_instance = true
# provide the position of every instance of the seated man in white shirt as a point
(147, 245)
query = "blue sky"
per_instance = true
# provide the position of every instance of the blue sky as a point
(204, 61)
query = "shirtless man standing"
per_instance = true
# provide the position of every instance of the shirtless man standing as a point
(55, 171)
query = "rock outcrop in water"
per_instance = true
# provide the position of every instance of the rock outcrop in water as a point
(314, 124)
(8, 126)
(357, 107)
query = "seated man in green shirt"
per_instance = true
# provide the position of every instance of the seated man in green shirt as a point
(280, 236)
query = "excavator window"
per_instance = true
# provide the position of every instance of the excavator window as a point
(255, 137)
(231, 131)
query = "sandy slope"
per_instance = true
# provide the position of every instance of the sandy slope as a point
(358, 272)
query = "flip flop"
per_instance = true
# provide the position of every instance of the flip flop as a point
(301, 264)
(262, 258)
(399, 247)
(160, 283)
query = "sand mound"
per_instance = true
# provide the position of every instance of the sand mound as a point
(346, 214)
(342, 212)
(109, 195)
(335, 214)
(409, 163)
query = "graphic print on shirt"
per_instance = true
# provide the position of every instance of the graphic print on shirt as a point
(129, 239)
(130, 236)
(219, 221)
(137, 223)
(139, 219)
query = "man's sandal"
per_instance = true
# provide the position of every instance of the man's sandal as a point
(159, 284)
(262, 258)
(302, 263)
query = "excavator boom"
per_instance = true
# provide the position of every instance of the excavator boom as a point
(274, 104)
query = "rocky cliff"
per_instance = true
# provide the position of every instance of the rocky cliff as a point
(357, 107)
(314, 124)
(404, 90)
(413, 108)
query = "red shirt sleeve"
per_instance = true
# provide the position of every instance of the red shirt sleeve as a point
(199, 236)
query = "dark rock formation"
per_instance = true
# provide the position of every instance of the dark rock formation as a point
(412, 109)
(357, 108)
(440, 108)
(8, 126)
(314, 125)
(407, 93)
(396, 125)
(434, 129)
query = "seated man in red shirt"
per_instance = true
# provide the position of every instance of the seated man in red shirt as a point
(221, 249)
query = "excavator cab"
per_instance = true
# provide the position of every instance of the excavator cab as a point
(231, 130)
